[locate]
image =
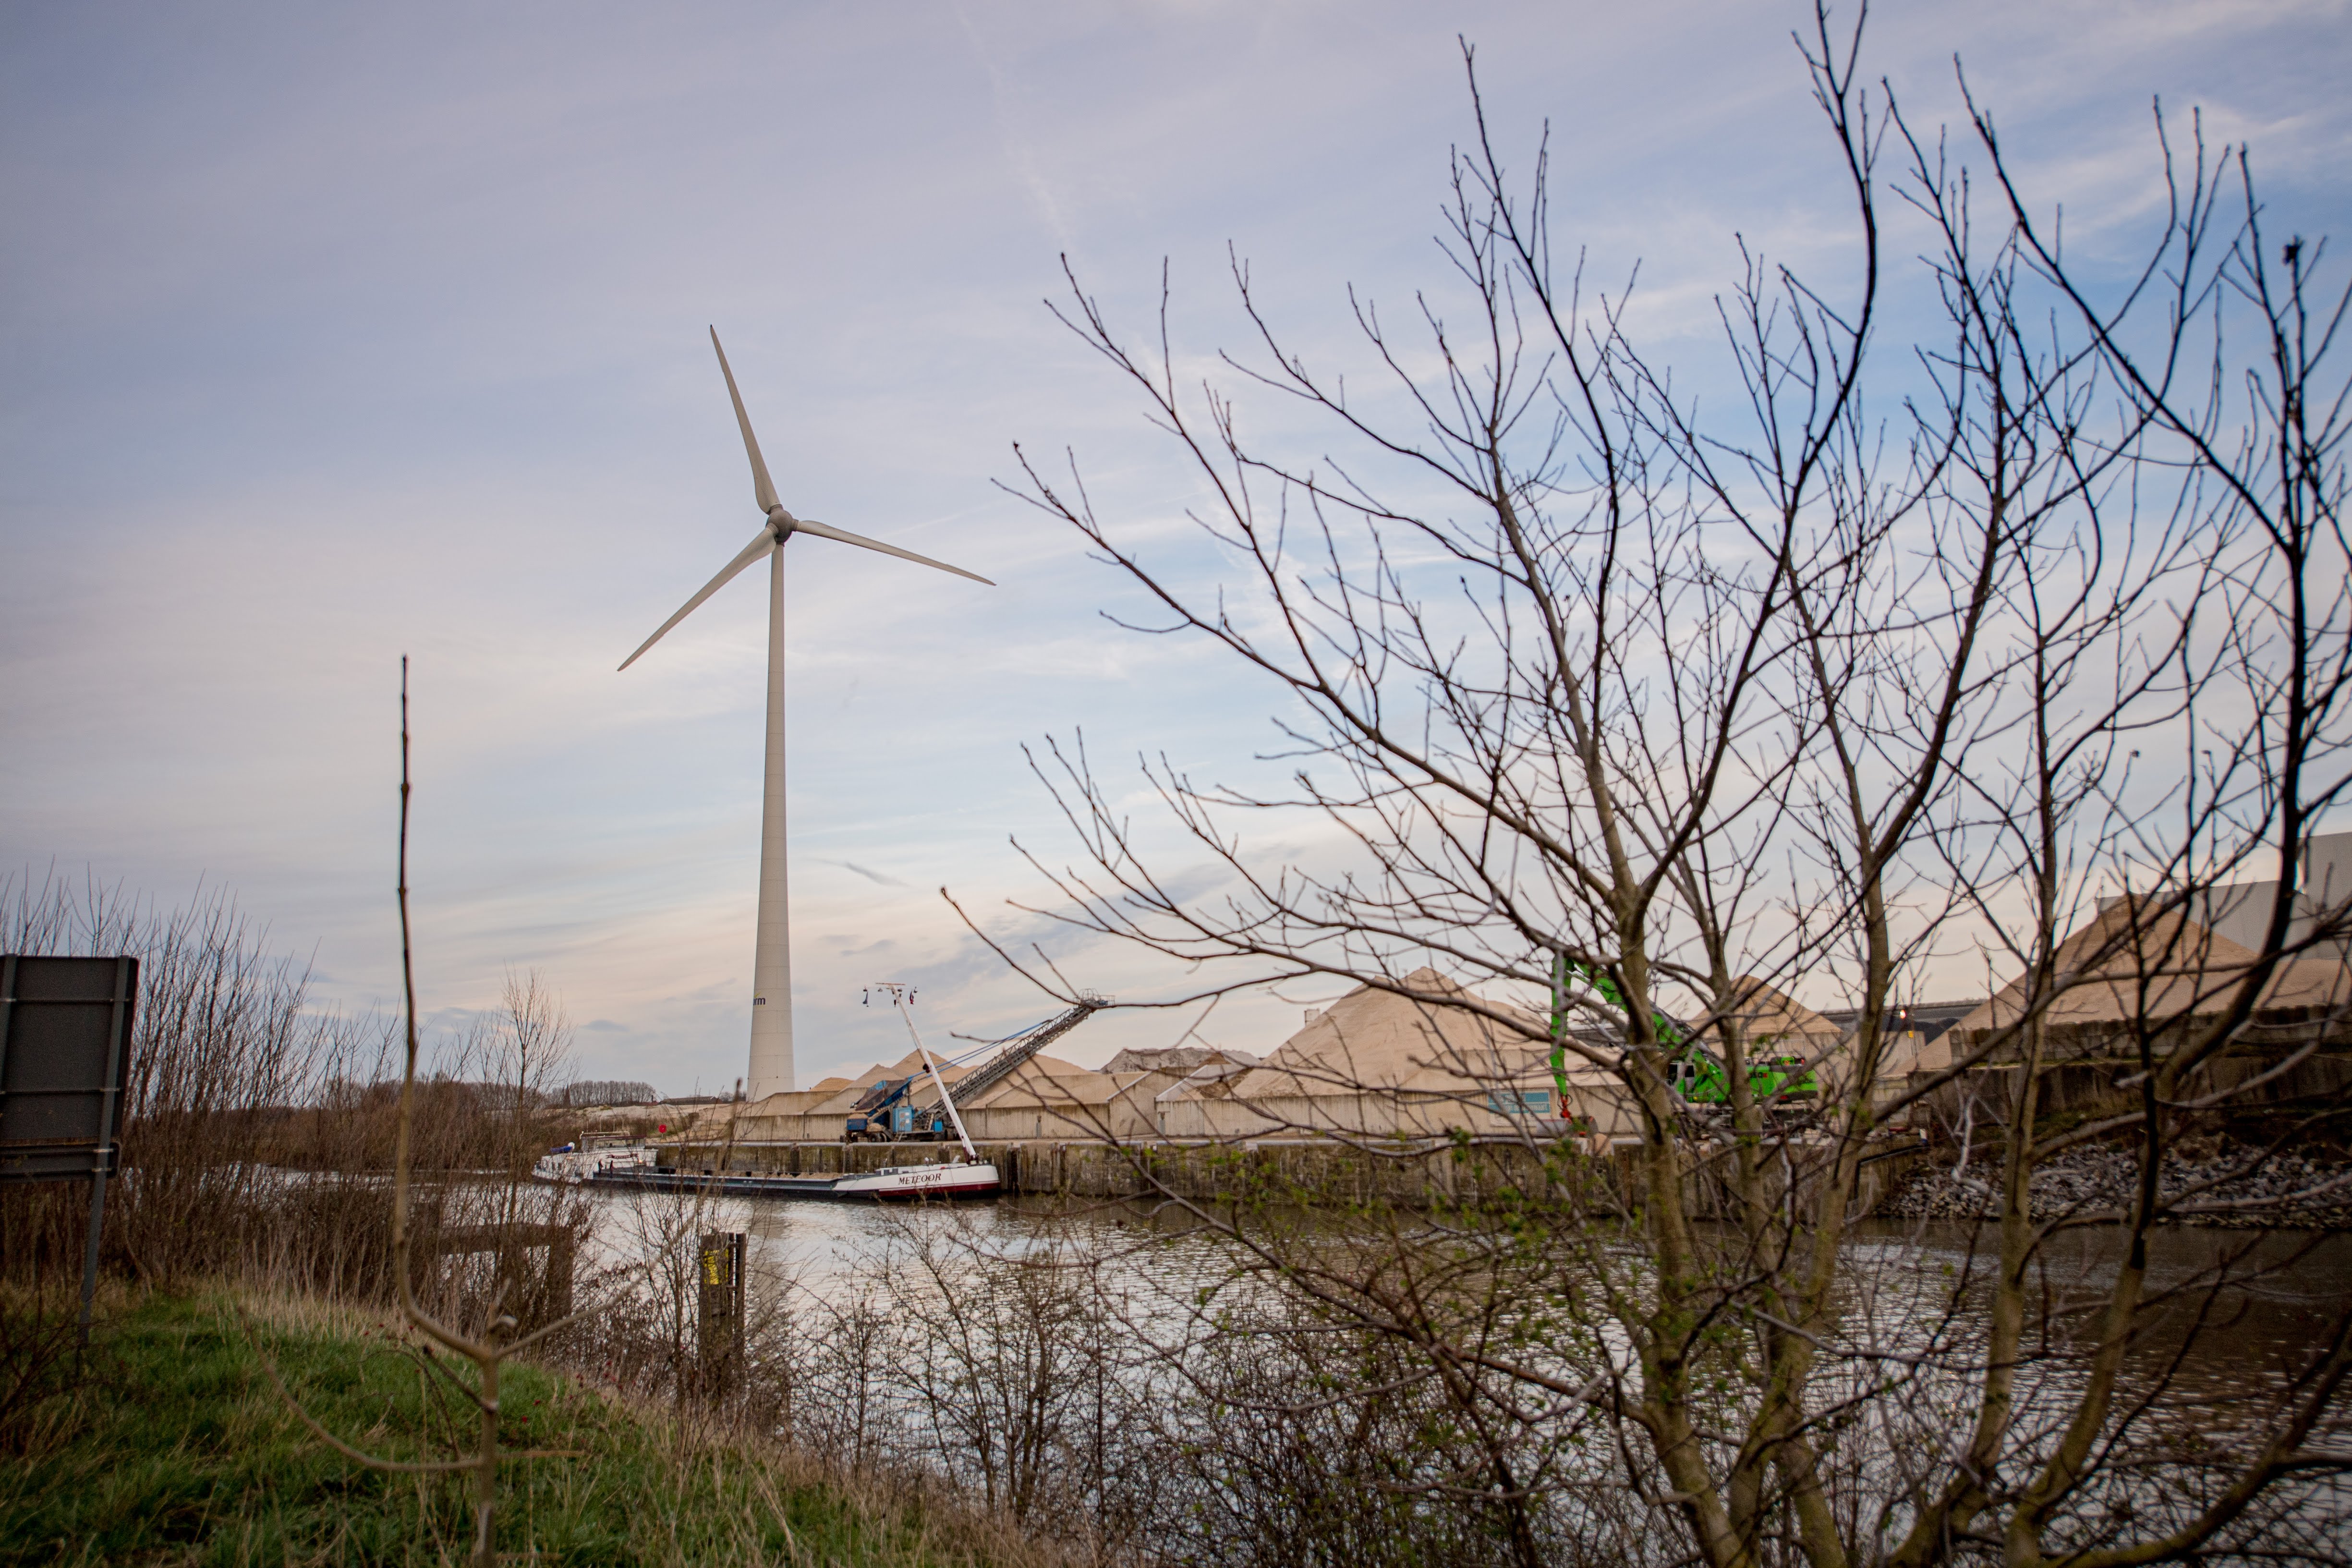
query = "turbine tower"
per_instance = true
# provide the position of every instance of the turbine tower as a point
(771, 959)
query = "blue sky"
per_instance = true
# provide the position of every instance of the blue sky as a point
(333, 334)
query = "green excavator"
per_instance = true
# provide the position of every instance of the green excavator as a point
(1695, 1074)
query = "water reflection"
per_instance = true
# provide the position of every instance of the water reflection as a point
(2252, 1305)
(893, 1338)
(2278, 1290)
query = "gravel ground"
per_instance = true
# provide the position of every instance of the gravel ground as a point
(2286, 1190)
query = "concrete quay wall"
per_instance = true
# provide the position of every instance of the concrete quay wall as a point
(1323, 1172)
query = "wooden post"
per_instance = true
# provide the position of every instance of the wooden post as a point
(720, 1321)
(560, 1265)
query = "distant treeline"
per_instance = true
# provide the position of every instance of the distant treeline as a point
(606, 1092)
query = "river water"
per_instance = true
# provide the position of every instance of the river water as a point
(2279, 1290)
(2236, 1316)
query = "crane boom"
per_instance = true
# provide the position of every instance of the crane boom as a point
(1024, 1045)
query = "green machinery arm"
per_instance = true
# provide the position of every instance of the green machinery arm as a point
(1702, 1078)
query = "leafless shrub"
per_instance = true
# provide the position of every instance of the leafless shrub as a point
(845, 1377)
(225, 1051)
(260, 1130)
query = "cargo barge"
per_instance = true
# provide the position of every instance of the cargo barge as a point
(636, 1167)
(956, 1179)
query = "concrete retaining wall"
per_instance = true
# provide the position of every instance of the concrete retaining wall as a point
(1288, 1170)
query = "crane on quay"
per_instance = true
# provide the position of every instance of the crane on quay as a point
(888, 1110)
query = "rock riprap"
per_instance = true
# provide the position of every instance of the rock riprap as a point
(2238, 1188)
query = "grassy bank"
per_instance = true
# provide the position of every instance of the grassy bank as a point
(172, 1447)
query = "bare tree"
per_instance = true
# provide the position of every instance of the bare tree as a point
(1647, 711)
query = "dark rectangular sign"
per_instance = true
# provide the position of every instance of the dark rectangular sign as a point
(65, 1057)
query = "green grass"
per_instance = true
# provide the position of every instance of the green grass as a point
(175, 1449)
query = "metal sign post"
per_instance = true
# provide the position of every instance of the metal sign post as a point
(65, 1058)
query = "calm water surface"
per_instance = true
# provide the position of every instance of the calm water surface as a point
(2281, 1290)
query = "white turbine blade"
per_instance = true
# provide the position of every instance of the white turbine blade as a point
(761, 486)
(751, 552)
(826, 530)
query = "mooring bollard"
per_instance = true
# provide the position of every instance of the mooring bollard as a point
(720, 1321)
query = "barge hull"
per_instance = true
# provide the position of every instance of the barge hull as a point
(862, 1188)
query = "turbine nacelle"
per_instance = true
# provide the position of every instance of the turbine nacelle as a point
(780, 524)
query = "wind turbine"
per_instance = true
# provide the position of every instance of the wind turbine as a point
(771, 959)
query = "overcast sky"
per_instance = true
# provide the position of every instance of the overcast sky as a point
(339, 333)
